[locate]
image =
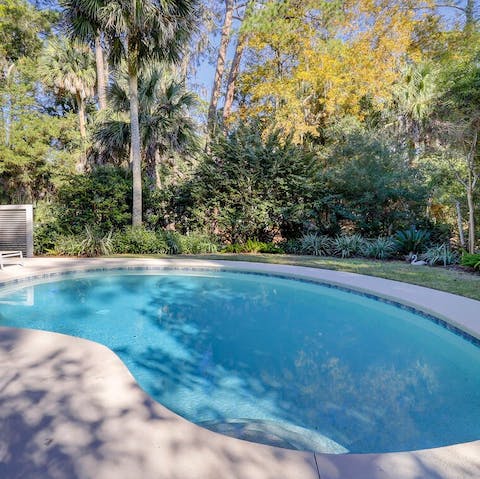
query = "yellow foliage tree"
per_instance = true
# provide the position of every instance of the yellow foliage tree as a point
(314, 61)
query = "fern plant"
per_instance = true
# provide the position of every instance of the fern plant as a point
(411, 240)
(471, 260)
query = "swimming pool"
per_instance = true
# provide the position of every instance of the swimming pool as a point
(273, 360)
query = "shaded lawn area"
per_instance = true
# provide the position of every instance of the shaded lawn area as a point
(445, 279)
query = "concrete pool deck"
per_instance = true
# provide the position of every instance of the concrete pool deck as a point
(69, 408)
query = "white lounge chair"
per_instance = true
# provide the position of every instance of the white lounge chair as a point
(11, 254)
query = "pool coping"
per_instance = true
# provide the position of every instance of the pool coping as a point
(450, 462)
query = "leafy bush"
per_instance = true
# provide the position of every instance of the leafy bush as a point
(251, 184)
(440, 254)
(100, 199)
(138, 240)
(365, 185)
(253, 246)
(471, 260)
(315, 245)
(347, 246)
(196, 243)
(292, 246)
(173, 240)
(45, 236)
(411, 240)
(271, 248)
(379, 248)
(68, 245)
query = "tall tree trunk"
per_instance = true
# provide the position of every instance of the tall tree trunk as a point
(471, 219)
(7, 117)
(101, 89)
(7, 105)
(222, 53)
(232, 78)
(460, 224)
(471, 182)
(135, 145)
(469, 15)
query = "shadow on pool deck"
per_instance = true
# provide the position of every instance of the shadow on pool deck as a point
(69, 409)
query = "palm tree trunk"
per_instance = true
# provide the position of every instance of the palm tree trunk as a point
(106, 69)
(135, 145)
(81, 116)
(80, 166)
(101, 89)
(220, 68)
(232, 78)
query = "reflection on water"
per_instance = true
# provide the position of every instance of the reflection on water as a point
(275, 361)
(18, 296)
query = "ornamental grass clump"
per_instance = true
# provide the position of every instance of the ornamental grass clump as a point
(379, 248)
(347, 246)
(440, 254)
(313, 244)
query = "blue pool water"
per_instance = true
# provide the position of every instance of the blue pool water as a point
(272, 360)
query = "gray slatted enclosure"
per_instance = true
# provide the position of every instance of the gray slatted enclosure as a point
(16, 228)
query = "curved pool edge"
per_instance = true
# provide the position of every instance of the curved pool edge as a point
(458, 311)
(65, 401)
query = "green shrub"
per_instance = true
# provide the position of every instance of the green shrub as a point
(45, 236)
(253, 246)
(173, 240)
(68, 245)
(313, 244)
(234, 248)
(271, 248)
(347, 246)
(471, 260)
(379, 248)
(411, 241)
(251, 184)
(100, 198)
(292, 246)
(196, 243)
(139, 240)
(441, 254)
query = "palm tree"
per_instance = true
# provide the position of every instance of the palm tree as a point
(166, 128)
(141, 34)
(82, 22)
(414, 102)
(69, 67)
